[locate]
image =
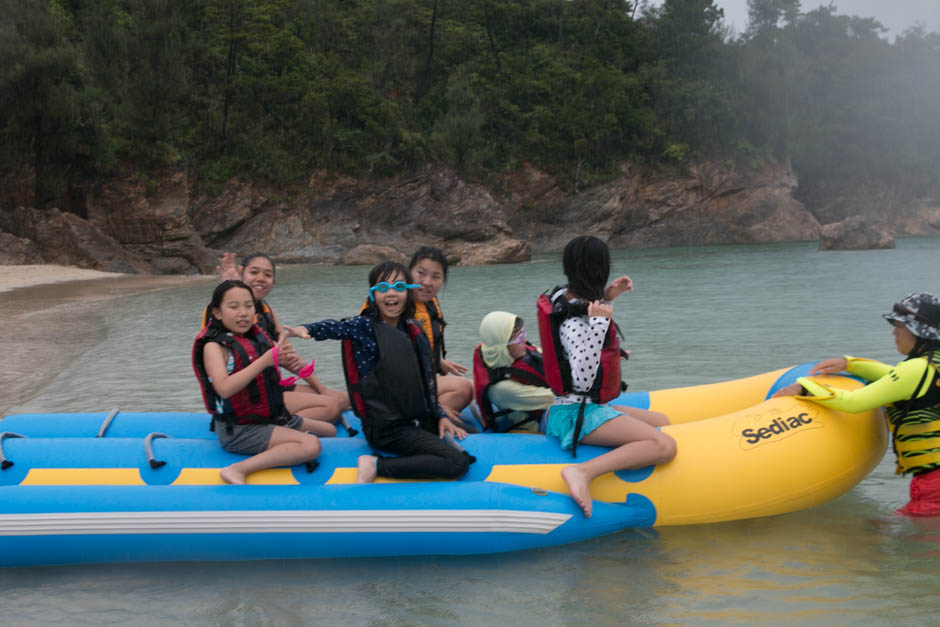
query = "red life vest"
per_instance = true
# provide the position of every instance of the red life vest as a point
(527, 370)
(553, 309)
(261, 401)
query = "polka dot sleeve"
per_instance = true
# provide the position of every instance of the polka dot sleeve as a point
(582, 339)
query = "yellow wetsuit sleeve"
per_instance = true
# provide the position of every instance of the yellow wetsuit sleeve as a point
(520, 397)
(898, 384)
(868, 369)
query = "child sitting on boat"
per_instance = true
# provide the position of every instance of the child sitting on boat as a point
(234, 361)
(390, 378)
(580, 343)
(428, 267)
(508, 375)
(309, 397)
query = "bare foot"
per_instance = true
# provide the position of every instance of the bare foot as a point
(230, 475)
(366, 472)
(580, 487)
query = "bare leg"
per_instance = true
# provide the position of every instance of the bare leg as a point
(637, 443)
(318, 427)
(312, 405)
(653, 418)
(454, 392)
(339, 395)
(366, 469)
(286, 447)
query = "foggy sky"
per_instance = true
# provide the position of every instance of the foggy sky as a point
(896, 15)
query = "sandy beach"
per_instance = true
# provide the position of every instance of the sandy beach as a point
(12, 277)
(52, 314)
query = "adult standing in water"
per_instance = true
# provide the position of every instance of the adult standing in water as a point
(910, 392)
(429, 269)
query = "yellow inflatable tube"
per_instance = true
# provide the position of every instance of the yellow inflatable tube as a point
(739, 456)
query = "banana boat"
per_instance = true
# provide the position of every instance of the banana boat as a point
(116, 486)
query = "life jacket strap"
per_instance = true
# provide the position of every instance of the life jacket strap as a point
(577, 428)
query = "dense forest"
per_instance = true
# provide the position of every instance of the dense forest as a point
(275, 89)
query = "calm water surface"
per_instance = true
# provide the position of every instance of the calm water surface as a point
(698, 315)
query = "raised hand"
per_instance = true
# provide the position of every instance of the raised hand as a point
(617, 287)
(227, 268)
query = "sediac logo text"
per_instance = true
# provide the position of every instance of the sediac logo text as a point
(774, 425)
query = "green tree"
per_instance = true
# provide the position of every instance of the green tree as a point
(41, 85)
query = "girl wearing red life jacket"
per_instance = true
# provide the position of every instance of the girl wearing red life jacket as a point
(234, 362)
(310, 398)
(576, 413)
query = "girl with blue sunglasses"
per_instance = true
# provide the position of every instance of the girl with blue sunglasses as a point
(390, 377)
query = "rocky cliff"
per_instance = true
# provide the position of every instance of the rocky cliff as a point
(166, 225)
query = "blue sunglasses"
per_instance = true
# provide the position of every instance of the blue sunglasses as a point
(384, 286)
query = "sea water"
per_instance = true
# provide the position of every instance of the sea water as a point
(697, 315)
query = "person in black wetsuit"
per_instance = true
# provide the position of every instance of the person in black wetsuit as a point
(391, 382)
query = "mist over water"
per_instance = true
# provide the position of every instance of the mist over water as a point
(697, 315)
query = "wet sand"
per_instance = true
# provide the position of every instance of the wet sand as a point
(52, 314)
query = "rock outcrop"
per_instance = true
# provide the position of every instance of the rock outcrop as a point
(65, 239)
(854, 233)
(152, 221)
(708, 204)
(164, 226)
(370, 255)
(18, 250)
(905, 207)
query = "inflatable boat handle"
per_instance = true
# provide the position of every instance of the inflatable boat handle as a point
(148, 447)
(107, 422)
(349, 430)
(4, 462)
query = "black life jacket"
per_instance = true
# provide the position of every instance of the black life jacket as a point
(528, 370)
(552, 310)
(394, 391)
(259, 402)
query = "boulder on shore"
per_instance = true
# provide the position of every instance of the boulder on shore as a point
(854, 233)
(370, 255)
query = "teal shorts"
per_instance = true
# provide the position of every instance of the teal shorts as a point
(563, 418)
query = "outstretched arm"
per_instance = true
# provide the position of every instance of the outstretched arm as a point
(899, 384)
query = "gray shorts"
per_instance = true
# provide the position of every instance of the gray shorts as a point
(250, 439)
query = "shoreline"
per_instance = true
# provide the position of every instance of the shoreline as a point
(53, 315)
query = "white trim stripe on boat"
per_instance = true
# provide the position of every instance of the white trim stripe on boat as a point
(282, 521)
